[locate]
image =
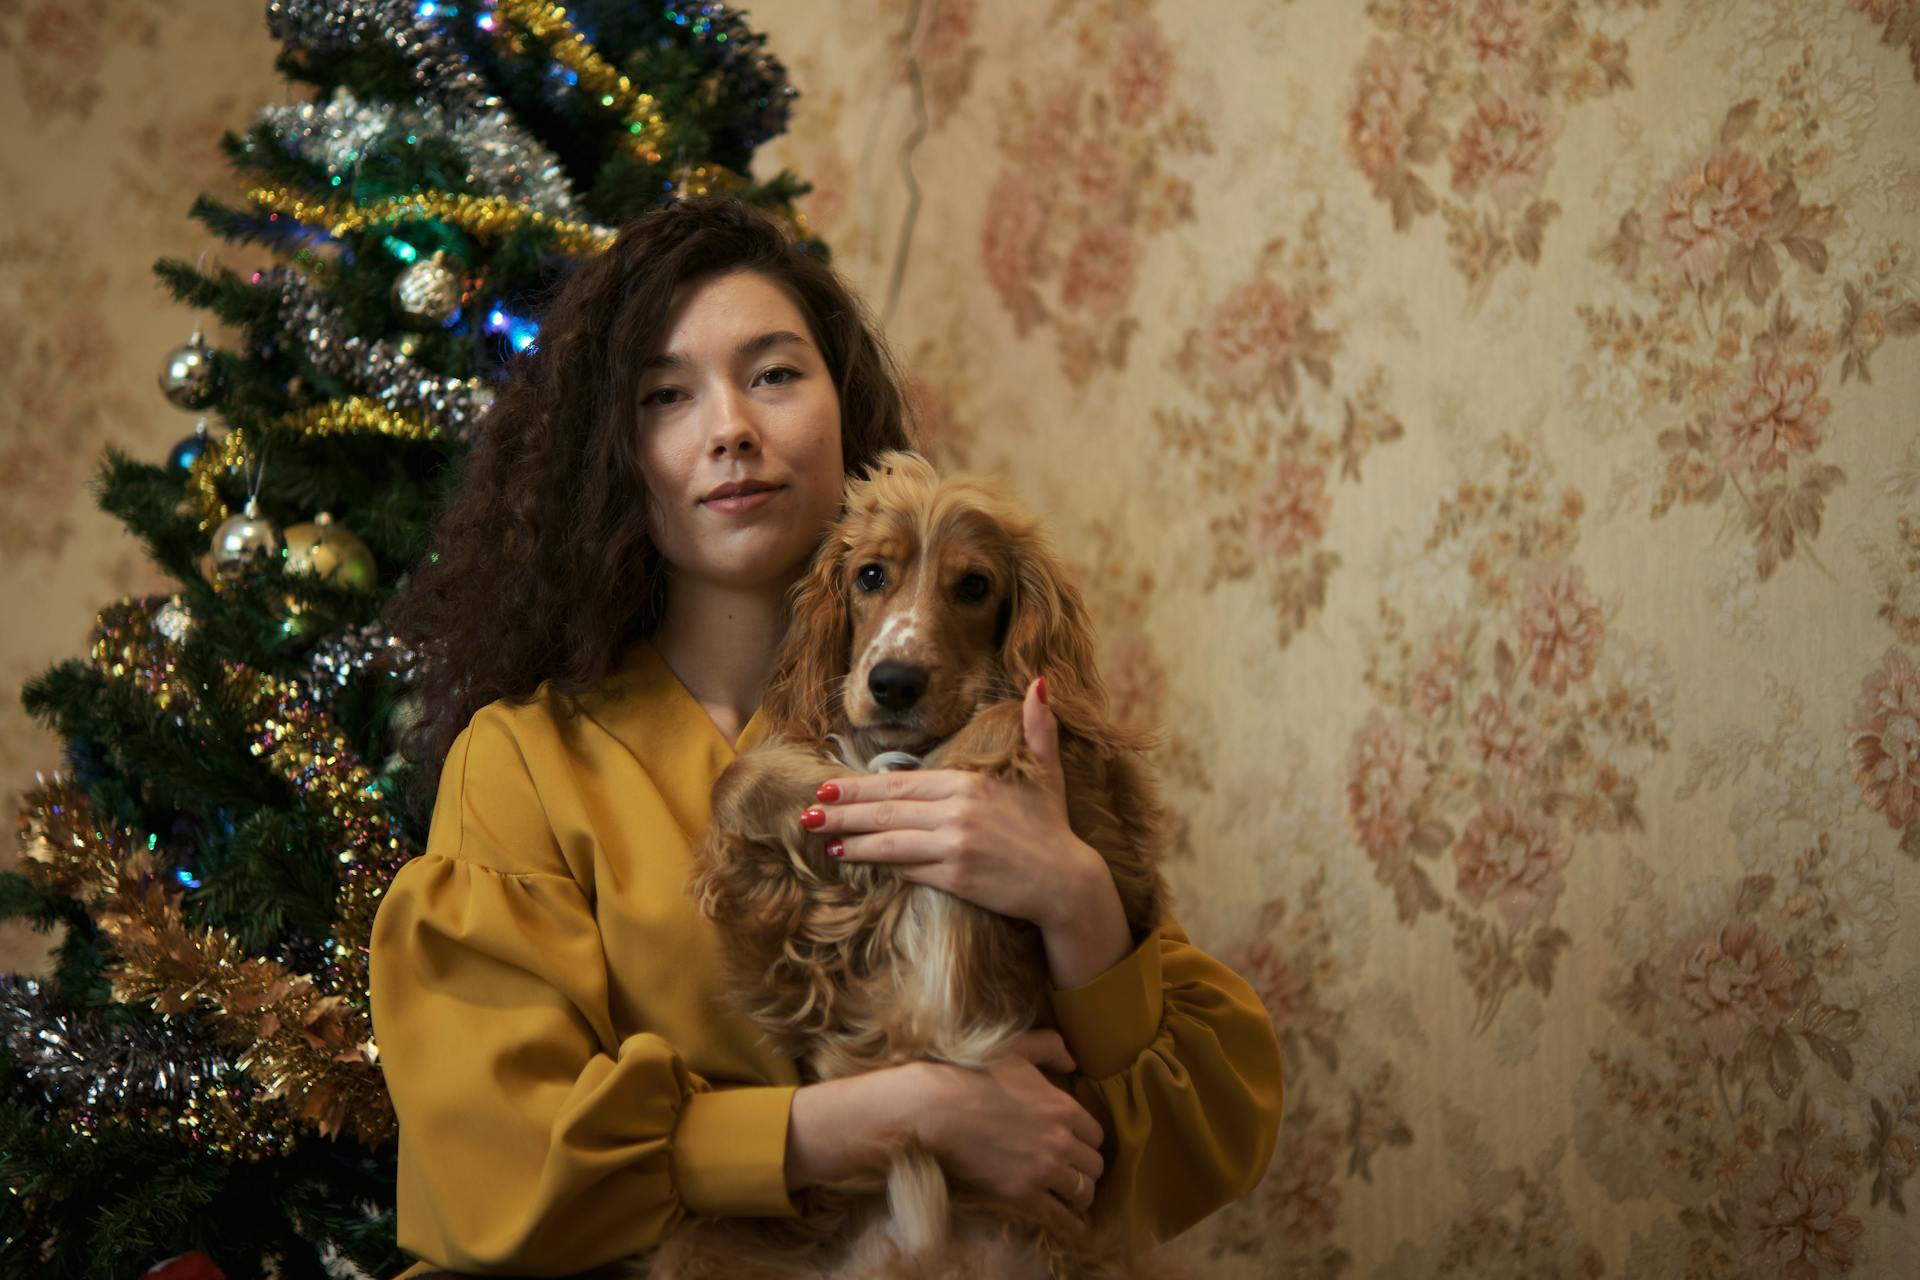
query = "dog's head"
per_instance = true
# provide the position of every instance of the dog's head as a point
(928, 599)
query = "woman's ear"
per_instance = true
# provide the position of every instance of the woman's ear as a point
(803, 694)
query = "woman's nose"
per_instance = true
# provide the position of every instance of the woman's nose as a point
(733, 425)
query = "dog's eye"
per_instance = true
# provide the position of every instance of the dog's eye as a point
(871, 577)
(972, 588)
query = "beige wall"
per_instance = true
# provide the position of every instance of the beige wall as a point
(1485, 429)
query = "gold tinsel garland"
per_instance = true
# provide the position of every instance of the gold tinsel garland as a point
(547, 23)
(355, 415)
(484, 217)
(300, 746)
(307, 1040)
(63, 845)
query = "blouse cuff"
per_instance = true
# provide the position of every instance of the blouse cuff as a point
(730, 1152)
(1109, 1020)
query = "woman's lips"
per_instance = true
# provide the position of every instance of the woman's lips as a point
(742, 501)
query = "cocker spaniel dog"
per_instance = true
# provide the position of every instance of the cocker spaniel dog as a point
(930, 607)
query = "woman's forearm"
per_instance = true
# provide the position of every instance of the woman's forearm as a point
(835, 1126)
(1090, 935)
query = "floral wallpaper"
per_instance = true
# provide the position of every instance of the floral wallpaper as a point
(1484, 430)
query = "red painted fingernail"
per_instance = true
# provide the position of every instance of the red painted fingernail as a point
(829, 792)
(814, 819)
(835, 849)
(1043, 688)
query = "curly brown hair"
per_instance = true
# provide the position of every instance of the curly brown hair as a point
(540, 569)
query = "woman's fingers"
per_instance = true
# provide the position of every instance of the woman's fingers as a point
(1086, 1159)
(1074, 1186)
(1085, 1127)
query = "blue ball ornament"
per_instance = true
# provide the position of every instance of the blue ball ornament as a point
(181, 458)
(186, 453)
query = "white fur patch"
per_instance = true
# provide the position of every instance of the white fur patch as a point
(926, 942)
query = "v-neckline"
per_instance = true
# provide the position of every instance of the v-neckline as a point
(747, 730)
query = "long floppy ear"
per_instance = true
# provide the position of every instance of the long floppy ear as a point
(1050, 633)
(802, 700)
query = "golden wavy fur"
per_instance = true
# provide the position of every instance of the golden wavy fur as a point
(929, 608)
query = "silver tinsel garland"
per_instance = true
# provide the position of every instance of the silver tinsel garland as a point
(379, 370)
(337, 660)
(502, 158)
(439, 66)
(79, 1062)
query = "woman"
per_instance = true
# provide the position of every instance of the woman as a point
(596, 624)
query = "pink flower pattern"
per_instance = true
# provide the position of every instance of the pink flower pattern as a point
(1709, 209)
(1100, 270)
(1728, 979)
(1502, 148)
(1512, 859)
(1774, 416)
(1253, 332)
(1385, 776)
(1388, 94)
(1500, 737)
(1500, 35)
(1885, 740)
(1010, 233)
(1560, 627)
(1740, 303)
(1793, 1219)
(1087, 181)
(1483, 83)
(1293, 509)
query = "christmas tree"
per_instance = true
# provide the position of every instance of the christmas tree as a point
(198, 1072)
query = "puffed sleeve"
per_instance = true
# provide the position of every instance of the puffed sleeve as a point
(533, 1140)
(1179, 1062)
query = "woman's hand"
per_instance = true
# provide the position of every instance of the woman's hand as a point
(1007, 1130)
(1005, 846)
(1004, 1129)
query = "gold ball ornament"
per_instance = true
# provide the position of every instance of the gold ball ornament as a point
(244, 540)
(429, 292)
(188, 376)
(332, 551)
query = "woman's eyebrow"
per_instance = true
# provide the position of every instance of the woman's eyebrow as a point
(751, 347)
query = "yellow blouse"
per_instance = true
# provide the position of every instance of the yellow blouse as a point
(569, 1082)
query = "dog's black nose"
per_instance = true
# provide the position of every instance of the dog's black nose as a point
(897, 685)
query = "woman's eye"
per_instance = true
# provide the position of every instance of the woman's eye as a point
(781, 369)
(650, 399)
(871, 578)
(972, 588)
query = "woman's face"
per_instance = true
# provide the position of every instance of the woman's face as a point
(739, 391)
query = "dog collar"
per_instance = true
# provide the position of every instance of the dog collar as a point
(885, 762)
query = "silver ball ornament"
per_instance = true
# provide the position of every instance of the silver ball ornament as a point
(188, 377)
(428, 292)
(244, 540)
